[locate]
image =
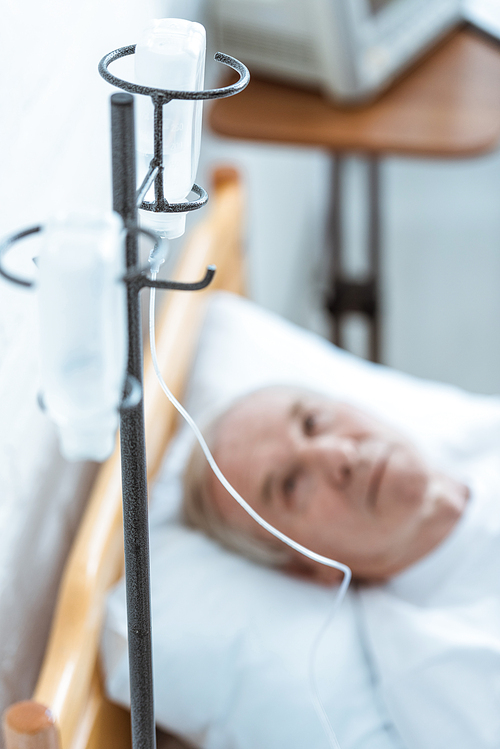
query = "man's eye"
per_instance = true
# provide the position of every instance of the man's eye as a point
(310, 424)
(289, 485)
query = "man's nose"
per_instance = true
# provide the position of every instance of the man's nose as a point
(336, 458)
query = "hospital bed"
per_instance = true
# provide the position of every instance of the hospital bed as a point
(69, 708)
(231, 639)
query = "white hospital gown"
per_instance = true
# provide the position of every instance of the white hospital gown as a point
(433, 633)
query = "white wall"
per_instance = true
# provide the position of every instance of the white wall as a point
(442, 270)
(54, 154)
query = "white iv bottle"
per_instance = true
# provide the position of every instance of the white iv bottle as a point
(170, 55)
(83, 330)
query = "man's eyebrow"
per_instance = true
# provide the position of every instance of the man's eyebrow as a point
(294, 412)
(296, 409)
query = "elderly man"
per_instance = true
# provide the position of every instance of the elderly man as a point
(353, 489)
(331, 477)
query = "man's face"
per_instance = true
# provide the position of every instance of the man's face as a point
(331, 477)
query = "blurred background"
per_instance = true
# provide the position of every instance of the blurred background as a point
(440, 247)
(441, 223)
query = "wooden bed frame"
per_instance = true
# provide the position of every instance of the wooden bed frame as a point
(69, 709)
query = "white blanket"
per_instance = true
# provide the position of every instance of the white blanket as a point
(433, 633)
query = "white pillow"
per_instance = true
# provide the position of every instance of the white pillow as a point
(231, 639)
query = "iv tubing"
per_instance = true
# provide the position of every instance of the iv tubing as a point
(267, 526)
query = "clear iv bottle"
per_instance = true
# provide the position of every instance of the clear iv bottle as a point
(170, 55)
(83, 330)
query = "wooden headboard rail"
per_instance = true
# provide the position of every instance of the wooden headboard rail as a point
(68, 710)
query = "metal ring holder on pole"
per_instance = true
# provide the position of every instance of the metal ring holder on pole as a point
(126, 201)
(160, 97)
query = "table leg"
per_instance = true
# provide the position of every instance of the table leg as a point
(374, 253)
(334, 242)
(347, 295)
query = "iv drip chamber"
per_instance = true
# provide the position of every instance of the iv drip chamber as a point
(83, 330)
(170, 55)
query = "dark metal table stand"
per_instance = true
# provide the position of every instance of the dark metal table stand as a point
(346, 295)
(126, 200)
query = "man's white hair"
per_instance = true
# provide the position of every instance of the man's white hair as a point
(199, 509)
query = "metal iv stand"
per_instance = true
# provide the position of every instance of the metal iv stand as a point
(126, 201)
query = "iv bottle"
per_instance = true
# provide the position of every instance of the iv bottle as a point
(170, 55)
(83, 330)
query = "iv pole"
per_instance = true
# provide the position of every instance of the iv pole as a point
(126, 201)
(132, 444)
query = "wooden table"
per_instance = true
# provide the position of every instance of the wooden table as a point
(446, 106)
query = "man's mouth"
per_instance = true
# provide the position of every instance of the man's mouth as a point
(376, 478)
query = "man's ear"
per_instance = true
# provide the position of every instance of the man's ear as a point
(297, 568)
(305, 569)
